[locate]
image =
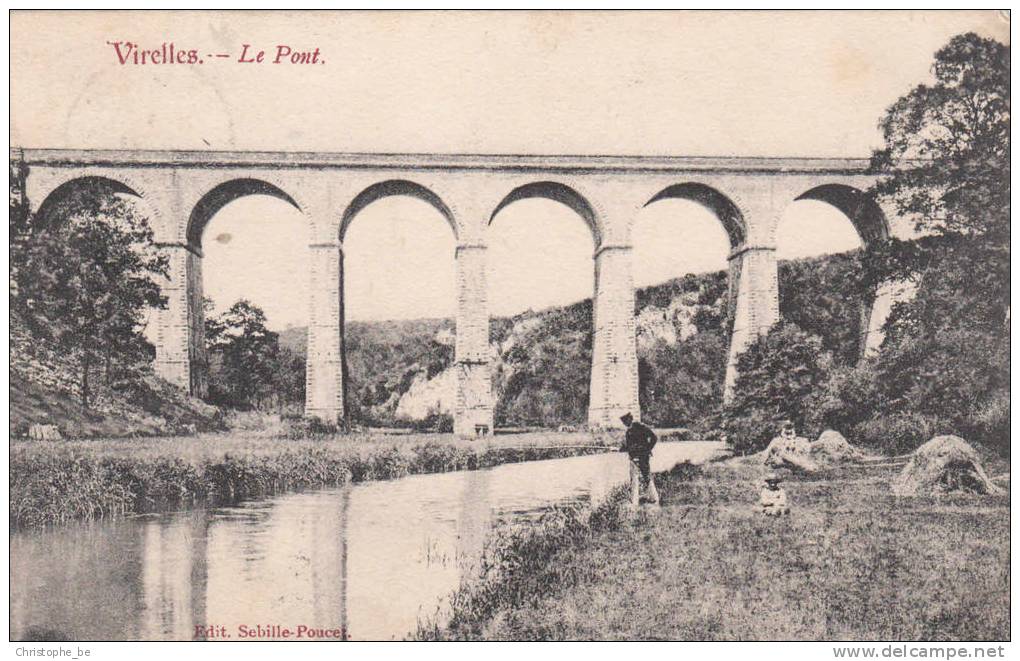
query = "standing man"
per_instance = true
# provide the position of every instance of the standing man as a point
(638, 444)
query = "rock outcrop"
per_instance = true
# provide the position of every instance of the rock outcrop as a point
(671, 323)
(426, 397)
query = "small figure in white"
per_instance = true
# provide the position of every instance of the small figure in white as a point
(773, 498)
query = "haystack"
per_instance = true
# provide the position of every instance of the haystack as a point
(832, 449)
(945, 464)
(792, 453)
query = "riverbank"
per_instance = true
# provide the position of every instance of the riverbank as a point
(850, 562)
(53, 482)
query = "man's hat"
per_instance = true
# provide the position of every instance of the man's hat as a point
(626, 418)
(773, 478)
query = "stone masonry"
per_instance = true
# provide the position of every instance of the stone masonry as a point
(181, 191)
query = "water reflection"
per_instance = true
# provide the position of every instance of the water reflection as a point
(365, 562)
(173, 577)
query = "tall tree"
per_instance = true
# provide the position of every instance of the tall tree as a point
(946, 167)
(244, 356)
(88, 271)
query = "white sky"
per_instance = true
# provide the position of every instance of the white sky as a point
(257, 249)
(760, 83)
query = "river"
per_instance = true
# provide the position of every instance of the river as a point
(368, 560)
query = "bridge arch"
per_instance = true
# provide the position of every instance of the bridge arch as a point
(353, 274)
(223, 194)
(186, 323)
(719, 204)
(597, 348)
(870, 227)
(722, 235)
(557, 192)
(394, 187)
(89, 183)
(867, 217)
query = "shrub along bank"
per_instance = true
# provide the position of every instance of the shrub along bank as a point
(58, 482)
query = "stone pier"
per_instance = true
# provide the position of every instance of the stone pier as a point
(614, 377)
(474, 407)
(756, 304)
(325, 397)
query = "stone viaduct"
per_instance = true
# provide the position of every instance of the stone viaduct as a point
(182, 190)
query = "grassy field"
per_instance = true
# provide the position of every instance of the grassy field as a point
(851, 562)
(60, 481)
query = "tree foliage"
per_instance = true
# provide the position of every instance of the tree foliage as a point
(546, 371)
(946, 167)
(85, 274)
(680, 384)
(824, 297)
(781, 376)
(248, 369)
(382, 360)
(946, 152)
(944, 364)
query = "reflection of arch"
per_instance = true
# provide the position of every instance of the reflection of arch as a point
(222, 195)
(723, 208)
(557, 192)
(394, 187)
(91, 183)
(859, 207)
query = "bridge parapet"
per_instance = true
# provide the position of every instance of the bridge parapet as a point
(529, 163)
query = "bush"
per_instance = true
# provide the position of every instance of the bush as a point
(952, 380)
(989, 423)
(682, 383)
(896, 433)
(946, 373)
(440, 423)
(781, 376)
(851, 396)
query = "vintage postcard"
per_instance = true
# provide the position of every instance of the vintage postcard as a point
(514, 325)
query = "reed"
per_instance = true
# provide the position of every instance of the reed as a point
(62, 481)
(522, 562)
